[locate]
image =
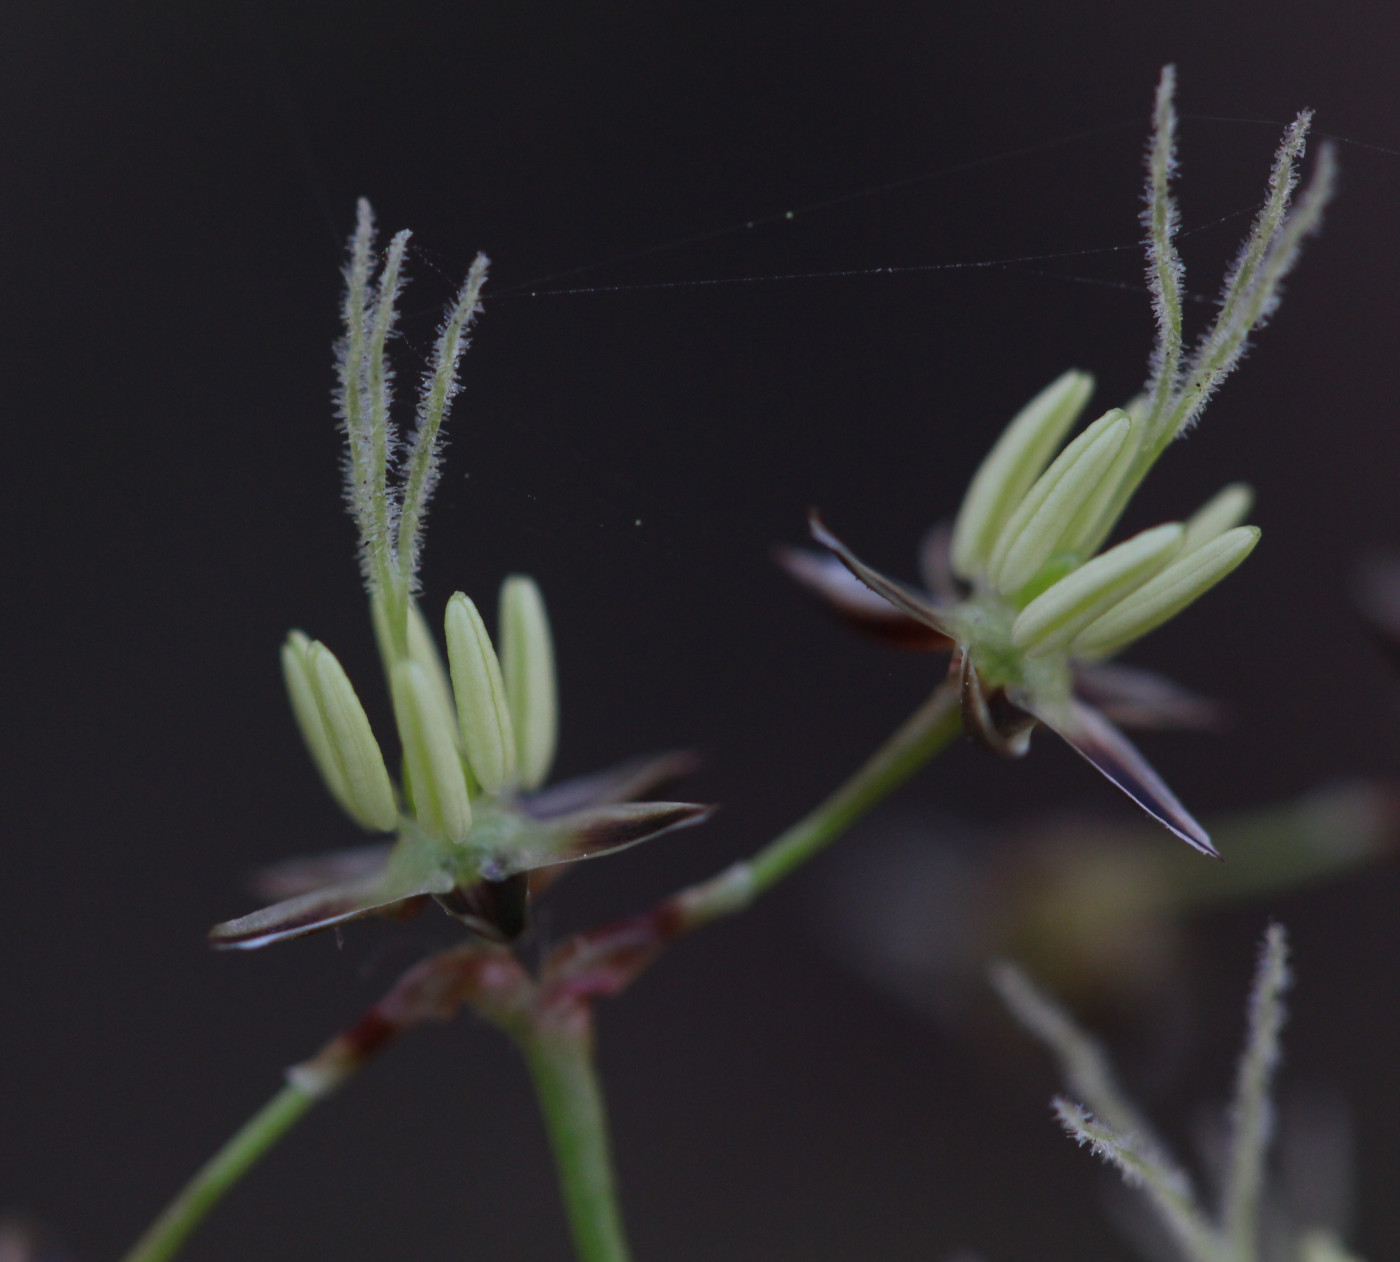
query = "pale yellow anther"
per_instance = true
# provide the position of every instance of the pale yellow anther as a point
(1165, 595)
(361, 762)
(483, 715)
(527, 666)
(338, 734)
(1012, 466)
(1037, 528)
(1057, 615)
(1099, 513)
(1223, 511)
(436, 779)
(308, 715)
(423, 649)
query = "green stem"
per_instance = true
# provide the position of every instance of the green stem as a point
(558, 1047)
(927, 731)
(209, 1184)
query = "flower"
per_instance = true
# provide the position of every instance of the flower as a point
(1020, 590)
(475, 830)
(516, 848)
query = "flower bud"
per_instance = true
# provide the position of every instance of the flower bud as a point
(437, 783)
(1058, 614)
(1019, 457)
(1043, 518)
(527, 664)
(338, 734)
(1218, 514)
(482, 713)
(1166, 594)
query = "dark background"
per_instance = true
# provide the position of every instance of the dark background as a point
(177, 181)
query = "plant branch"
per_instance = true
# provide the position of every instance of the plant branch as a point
(929, 730)
(606, 961)
(432, 990)
(207, 1188)
(558, 1047)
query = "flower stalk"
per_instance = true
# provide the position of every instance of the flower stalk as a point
(558, 1049)
(926, 733)
(163, 1239)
